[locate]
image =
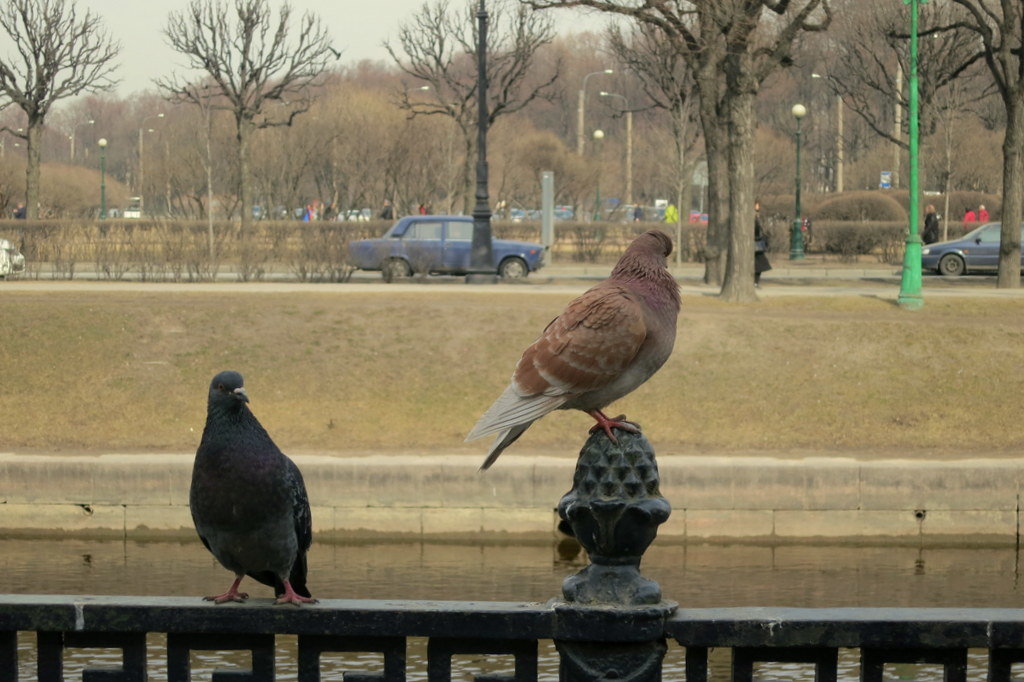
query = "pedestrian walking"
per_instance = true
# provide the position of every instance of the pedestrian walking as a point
(761, 263)
(970, 217)
(930, 235)
(671, 214)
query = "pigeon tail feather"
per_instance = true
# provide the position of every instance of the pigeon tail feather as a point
(503, 441)
(512, 409)
(297, 578)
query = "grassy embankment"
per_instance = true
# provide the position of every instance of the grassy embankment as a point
(352, 373)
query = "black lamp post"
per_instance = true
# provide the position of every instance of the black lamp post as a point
(103, 177)
(481, 260)
(796, 238)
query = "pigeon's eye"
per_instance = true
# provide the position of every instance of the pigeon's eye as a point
(220, 387)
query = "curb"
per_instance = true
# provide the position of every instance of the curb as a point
(714, 498)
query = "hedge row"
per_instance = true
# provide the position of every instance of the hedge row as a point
(188, 251)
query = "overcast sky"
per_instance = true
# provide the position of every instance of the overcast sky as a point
(357, 27)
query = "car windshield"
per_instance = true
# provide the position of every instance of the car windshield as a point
(989, 232)
(986, 233)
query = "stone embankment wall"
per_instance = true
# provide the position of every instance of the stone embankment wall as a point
(713, 498)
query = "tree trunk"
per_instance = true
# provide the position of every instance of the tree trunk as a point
(708, 82)
(245, 198)
(717, 248)
(739, 272)
(1013, 193)
(35, 129)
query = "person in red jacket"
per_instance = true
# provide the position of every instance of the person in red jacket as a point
(982, 214)
(970, 218)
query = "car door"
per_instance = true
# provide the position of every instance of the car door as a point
(422, 242)
(984, 252)
(458, 244)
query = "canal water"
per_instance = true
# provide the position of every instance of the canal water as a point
(695, 575)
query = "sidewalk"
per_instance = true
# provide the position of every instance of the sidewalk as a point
(810, 268)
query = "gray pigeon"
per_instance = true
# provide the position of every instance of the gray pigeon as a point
(248, 499)
(607, 342)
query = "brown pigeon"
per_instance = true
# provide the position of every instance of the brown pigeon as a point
(607, 342)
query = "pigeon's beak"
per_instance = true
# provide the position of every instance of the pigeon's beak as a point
(241, 394)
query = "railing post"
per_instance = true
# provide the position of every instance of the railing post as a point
(611, 624)
(8, 655)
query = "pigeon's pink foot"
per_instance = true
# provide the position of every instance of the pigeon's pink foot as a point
(291, 597)
(231, 595)
(606, 424)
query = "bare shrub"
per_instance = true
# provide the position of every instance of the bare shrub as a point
(862, 206)
(849, 240)
(111, 250)
(319, 252)
(588, 241)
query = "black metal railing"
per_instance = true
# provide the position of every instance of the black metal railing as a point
(610, 624)
(591, 640)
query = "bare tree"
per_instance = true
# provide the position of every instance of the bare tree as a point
(667, 81)
(731, 46)
(999, 24)
(250, 60)
(438, 49)
(867, 56)
(56, 54)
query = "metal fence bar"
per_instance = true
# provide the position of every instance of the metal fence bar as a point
(1000, 663)
(50, 661)
(825, 660)
(133, 654)
(392, 648)
(696, 664)
(441, 649)
(181, 645)
(953, 661)
(596, 637)
(8, 655)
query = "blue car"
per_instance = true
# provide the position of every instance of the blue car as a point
(439, 244)
(976, 251)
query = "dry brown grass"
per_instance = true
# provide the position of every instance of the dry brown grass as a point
(350, 373)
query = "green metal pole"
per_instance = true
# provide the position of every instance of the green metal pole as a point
(796, 236)
(910, 283)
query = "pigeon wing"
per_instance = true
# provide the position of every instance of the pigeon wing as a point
(303, 527)
(583, 349)
(587, 346)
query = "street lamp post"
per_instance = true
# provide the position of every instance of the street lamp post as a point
(910, 281)
(481, 259)
(629, 145)
(598, 136)
(102, 142)
(71, 137)
(796, 236)
(142, 174)
(580, 106)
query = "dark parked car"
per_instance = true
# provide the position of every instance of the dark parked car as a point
(439, 244)
(976, 251)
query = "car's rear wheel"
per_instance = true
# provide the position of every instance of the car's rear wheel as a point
(395, 268)
(513, 268)
(951, 265)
